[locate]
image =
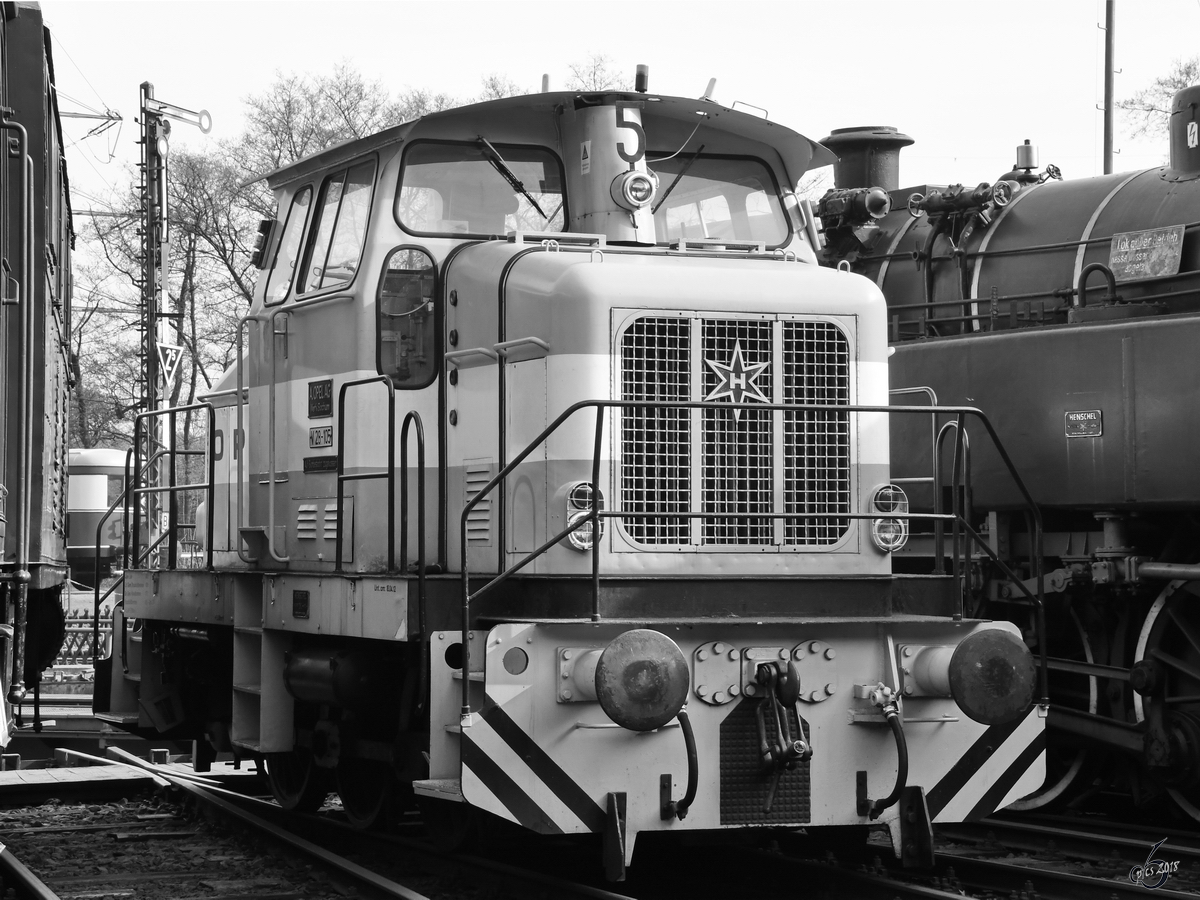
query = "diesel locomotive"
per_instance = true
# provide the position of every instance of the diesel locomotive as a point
(552, 485)
(1068, 310)
(36, 239)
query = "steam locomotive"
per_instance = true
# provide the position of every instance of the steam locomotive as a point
(553, 486)
(36, 239)
(1068, 311)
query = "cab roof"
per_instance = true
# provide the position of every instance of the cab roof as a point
(531, 117)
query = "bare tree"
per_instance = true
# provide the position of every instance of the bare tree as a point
(1149, 110)
(496, 87)
(596, 74)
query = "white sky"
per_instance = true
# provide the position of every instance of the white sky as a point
(967, 80)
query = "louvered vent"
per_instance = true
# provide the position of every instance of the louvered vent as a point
(306, 522)
(477, 473)
(728, 464)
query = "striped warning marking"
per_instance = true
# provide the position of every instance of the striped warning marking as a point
(506, 772)
(983, 776)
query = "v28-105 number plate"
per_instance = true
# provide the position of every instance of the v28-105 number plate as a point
(322, 436)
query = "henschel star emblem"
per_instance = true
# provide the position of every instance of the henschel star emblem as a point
(737, 380)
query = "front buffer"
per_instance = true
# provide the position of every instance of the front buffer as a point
(780, 726)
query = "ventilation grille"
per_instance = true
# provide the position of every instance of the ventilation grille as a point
(306, 522)
(477, 473)
(728, 464)
(816, 444)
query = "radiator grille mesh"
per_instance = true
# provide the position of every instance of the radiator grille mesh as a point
(654, 442)
(816, 444)
(738, 449)
(723, 465)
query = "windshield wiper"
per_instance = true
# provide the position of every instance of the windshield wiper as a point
(683, 171)
(498, 163)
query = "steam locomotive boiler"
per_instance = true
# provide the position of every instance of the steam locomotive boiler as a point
(35, 304)
(552, 486)
(1068, 310)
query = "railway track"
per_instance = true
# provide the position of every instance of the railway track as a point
(1040, 858)
(313, 835)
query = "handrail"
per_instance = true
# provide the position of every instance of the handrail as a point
(96, 565)
(939, 565)
(390, 474)
(271, 440)
(132, 491)
(239, 444)
(595, 515)
(96, 614)
(413, 417)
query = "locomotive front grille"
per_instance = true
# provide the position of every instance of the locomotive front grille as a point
(726, 463)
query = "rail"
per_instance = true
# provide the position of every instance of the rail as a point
(955, 519)
(390, 474)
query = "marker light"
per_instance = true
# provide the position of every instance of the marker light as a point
(889, 534)
(579, 507)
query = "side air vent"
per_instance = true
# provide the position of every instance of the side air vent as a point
(477, 473)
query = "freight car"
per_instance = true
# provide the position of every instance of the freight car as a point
(547, 426)
(1068, 311)
(36, 240)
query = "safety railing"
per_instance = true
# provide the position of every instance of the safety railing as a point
(171, 489)
(389, 474)
(961, 530)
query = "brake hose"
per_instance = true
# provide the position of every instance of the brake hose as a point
(679, 808)
(876, 807)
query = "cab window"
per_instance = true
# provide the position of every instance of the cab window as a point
(283, 269)
(407, 348)
(717, 198)
(465, 189)
(335, 248)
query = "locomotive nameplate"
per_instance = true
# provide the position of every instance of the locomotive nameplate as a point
(1146, 254)
(1083, 423)
(321, 436)
(320, 399)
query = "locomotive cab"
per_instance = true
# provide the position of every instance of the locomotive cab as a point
(553, 485)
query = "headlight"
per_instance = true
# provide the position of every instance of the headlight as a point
(889, 534)
(633, 190)
(579, 507)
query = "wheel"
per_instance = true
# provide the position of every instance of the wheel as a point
(365, 787)
(1168, 648)
(296, 781)
(1068, 767)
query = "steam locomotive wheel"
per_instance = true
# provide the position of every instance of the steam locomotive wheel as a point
(1067, 766)
(1170, 642)
(296, 781)
(365, 787)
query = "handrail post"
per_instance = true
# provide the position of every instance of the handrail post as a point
(959, 512)
(391, 479)
(126, 510)
(210, 499)
(341, 472)
(172, 506)
(601, 408)
(135, 497)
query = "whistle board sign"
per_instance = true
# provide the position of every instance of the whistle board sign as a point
(1152, 253)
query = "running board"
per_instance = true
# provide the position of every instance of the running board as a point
(440, 789)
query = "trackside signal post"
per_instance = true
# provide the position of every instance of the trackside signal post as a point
(160, 357)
